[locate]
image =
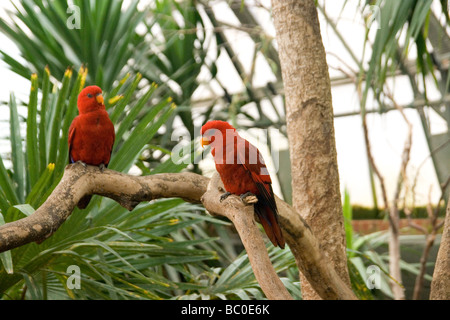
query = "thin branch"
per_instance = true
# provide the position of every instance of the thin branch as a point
(430, 237)
(392, 209)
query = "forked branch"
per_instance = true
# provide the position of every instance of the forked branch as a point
(129, 191)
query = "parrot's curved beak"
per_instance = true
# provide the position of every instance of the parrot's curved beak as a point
(100, 99)
(204, 142)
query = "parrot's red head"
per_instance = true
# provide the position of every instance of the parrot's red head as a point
(214, 129)
(90, 99)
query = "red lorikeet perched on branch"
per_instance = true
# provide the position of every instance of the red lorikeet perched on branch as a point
(91, 134)
(243, 172)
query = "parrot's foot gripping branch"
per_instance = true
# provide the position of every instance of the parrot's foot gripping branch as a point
(82, 163)
(248, 198)
(225, 195)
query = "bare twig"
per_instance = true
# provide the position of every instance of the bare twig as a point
(391, 208)
(430, 237)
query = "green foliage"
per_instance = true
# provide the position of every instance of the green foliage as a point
(112, 39)
(237, 280)
(120, 254)
(166, 42)
(397, 18)
(348, 217)
(357, 279)
(364, 251)
(160, 250)
(178, 52)
(104, 42)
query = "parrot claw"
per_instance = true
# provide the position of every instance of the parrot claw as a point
(248, 198)
(102, 167)
(224, 196)
(82, 163)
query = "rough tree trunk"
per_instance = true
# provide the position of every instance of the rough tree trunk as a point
(310, 128)
(440, 286)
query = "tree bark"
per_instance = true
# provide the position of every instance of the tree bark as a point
(440, 286)
(243, 220)
(128, 191)
(310, 128)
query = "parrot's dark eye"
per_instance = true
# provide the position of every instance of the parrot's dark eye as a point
(89, 95)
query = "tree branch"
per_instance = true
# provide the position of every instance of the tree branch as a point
(243, 219)
(129, 191)
(79, 181)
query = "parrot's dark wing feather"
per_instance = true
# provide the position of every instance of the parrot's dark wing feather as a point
(113, 133)
(267, 211)
(71, 136)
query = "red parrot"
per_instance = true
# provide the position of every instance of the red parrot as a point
(91, 134)
(243, 171)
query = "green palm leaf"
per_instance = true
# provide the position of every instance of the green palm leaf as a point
(122, 254)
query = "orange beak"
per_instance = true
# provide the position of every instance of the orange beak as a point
(99, 99)
(204, 142)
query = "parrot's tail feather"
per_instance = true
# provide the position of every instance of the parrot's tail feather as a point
(269, 221)
(83, 203)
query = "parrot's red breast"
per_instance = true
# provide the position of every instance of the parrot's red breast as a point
(242, 169)
(91, 134)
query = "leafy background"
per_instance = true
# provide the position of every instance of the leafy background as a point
(149, 60)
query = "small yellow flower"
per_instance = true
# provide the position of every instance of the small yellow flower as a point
(115, 99)
(68, 73)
